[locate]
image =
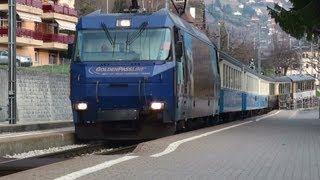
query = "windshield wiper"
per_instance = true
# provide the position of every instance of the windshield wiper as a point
(137, 34)
(111, 41)
(104, 27)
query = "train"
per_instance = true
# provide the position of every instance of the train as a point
(137, 76)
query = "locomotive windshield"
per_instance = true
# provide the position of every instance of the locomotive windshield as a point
(124, 45)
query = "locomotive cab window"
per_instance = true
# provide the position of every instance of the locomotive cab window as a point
(124, 45)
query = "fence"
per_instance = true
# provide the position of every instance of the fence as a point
(55, 66)
(305, 103)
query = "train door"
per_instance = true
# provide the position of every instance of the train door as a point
(217, 80)
(188, 53)
(183, 82)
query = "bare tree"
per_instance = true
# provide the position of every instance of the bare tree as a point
(283, 57)
(237, 43)
(241, 46)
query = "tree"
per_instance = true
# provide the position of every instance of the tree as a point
(119, 6)
(234, 41)
(283, 57)
(302, 19)
(84, 7)
(248, 11)
(227, 9)
(241, 47)
(218, 4)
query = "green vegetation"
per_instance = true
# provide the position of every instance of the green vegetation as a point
(51, 69)
(269, 72)
(318, 93)
(301, 20)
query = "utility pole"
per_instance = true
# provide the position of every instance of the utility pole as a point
(219, 35)
(259, 48)
(107, 6)
(12, 86)
(135, 4)
(167, 4)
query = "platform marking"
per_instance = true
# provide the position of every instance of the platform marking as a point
(264, 117)
(293, 114)
(95, 168)
(173, 146)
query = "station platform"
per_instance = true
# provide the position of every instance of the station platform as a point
(25, 137)
(5, 127)
(279, 145)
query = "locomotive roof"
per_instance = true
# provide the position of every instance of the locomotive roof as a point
(160, 19)
(282, 79)
(301, 77)
(295, 78)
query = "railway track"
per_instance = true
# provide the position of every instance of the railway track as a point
(11, 166)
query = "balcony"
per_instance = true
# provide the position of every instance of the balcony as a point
(55, 11)
(56, 41)
(25, 37)
(28, 6)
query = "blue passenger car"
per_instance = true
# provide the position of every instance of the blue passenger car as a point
(243, 91)
(141, 76)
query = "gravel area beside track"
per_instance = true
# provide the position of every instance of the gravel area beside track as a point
(43, 151)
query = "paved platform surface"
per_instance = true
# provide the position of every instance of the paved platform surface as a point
(33, 126)
(280, 145)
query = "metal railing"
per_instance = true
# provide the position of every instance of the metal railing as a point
(55, 66)
(22, 33)
(66, 39)
(56, 8)
(306, 103)
(32, 3)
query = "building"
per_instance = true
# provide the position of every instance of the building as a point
(310, 65)
(44, 29)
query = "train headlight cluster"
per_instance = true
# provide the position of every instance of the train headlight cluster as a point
(81, 106)
(157, 106)
(123, 23)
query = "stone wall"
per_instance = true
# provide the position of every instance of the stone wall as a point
(40, 97)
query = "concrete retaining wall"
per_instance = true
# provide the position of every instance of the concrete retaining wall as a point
(40, 97)
(3, 94)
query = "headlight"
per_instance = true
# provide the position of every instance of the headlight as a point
(123, 23)
(81, 106)
(157, 105)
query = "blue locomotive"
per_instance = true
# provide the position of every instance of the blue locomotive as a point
(148, 75)
(141, 76)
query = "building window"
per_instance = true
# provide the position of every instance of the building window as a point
(36, 56)
(53, 58)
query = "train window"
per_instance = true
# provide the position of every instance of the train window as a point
(234, 78)
(237, 79)
(214, 58)
(224, 75)
(228, 76)
(151, 44)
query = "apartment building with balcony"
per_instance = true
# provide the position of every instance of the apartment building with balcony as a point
(44, 29)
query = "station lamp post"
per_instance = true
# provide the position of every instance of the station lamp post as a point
(12, 86)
